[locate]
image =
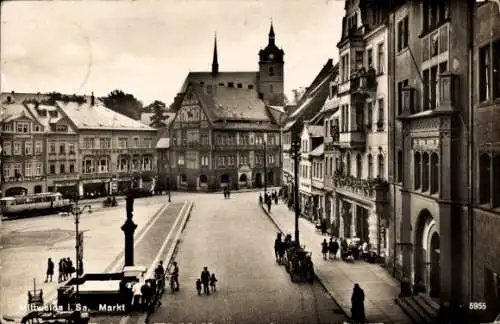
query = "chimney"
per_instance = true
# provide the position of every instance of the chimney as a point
(92, 99)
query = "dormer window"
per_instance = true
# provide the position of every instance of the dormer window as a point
(23, 127)
(61, 129)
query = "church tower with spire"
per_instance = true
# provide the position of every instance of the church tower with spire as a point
(271, 72)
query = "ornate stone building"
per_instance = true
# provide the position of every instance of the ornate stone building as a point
(439, 204)
(75, 143)
(223, 138)
(225, 132)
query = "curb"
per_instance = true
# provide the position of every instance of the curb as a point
(171, 253)
(344, 312)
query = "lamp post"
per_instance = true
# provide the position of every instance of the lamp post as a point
(265, 167)
(76, 212)
(2, 178)
(295, 153)
(168, 187)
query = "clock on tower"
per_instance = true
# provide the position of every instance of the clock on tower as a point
(271, 56)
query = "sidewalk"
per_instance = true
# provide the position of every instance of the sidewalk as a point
(339, 277)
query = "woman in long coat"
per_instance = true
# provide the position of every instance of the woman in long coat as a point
(358, 305)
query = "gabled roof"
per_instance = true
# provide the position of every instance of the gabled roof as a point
(14, 111)
(315, 95)
(232, 104)
(86, 116)
(202, 76)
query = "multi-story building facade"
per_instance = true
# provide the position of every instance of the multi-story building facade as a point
(435, 154)
(485, 158)
(225, 138)
(359, 129)
(73, 145)
(330, 107)
(308, 106)
(23, 150)
(310, 146)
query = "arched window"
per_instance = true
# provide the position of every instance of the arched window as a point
(425, 171)
(496, 180)
(359, 166)
(184, 178)
(243, 178)
(370, 166)
(417, 174)
(203, 178)
(400, 166)
(434, 173)
(332, 167)
(348, 164)
(484, 179)
(381, 166)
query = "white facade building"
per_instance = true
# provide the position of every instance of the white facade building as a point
(360, 136)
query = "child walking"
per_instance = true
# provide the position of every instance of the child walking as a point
(198, 286)
(213, 280)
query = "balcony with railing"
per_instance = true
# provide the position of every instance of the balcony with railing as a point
(371, 189)
(355, 139)
(363, 82)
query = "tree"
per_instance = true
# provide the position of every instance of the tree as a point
(278, 100)
(158, 109)
(123, 103)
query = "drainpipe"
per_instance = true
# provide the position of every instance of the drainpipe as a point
(392, 85)
(470, 134)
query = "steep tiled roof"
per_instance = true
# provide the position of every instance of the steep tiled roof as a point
(85, 116)
(232, 104)
(316, 94)
(197, 77)
(13, 111)
(47, 119)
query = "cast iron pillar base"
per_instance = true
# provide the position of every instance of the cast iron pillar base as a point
(128, 229)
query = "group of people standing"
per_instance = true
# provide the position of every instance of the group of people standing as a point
(206, 280)
(65, 269)
(330, 249)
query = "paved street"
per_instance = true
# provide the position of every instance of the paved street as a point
(339, 277)
(27, 243)
(235, 240)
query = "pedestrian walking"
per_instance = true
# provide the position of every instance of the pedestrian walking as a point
(198, 286)
(205, 280)
(213, 281)
(261, 200)
(276, 198)
(269, 205)
(50, 270)
(358, 305)
(334, 248)
(228, 194)
(175, 276)
(70, 267)
(225, 193)
(60, 271)
(277, 247)
(324, 248)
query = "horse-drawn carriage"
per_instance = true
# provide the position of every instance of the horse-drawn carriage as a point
(298, 263)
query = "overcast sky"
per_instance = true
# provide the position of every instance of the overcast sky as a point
(147, 47)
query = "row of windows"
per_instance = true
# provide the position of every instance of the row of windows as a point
(29, 149)
(15, 170)
(21, 127)
(194, 137)
(103, 165)
(210, 88)
(123, 142)
(363, 59)
(363, 117)
(358, 172)
(426, 172)
(430, 90)
(317, 170)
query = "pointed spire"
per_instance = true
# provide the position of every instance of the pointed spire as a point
(271, 33)
(215, 60)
